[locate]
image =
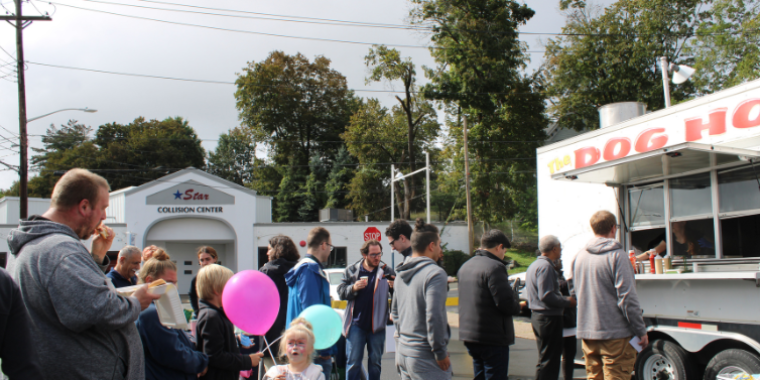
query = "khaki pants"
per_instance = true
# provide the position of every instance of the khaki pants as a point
(609, 359)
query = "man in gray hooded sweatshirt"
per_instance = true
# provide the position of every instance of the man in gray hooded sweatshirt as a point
(418, 310)
(80, 327)
(609, 314)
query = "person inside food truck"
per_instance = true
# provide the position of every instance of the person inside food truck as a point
(686, 242)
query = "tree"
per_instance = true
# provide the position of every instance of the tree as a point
(418, 114)
(233, 158)
(313, 192)
(290, 196)
(377, 137)
(479, 61)
(727, 46)
(337, 181)
(68, 137)
(613, 57)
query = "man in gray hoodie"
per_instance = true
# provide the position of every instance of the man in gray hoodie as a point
(609, 314)
(80, 327)
(418, 310)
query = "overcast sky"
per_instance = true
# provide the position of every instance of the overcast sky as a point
(100, 41)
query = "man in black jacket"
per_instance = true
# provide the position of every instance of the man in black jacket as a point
(16, 351)
(486, 307)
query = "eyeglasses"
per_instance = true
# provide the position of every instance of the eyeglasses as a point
(375, 255)
(392, 242)
(332, 247)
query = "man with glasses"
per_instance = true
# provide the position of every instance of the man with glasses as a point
(398, 233)
(308, 285)
(366, 286)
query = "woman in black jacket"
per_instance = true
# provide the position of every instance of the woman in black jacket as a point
(283, 255)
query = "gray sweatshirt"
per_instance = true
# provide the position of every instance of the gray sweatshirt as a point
(419, 309)
(608, 307)
(81, 328)
(542, 288)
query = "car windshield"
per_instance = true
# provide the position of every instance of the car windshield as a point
(335, 278)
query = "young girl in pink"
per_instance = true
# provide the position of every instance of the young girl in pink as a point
(298, 346)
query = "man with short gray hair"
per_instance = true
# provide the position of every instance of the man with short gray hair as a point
(124, 273)
(547, 305)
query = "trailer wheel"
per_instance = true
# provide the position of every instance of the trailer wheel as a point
(729, 363)
(665, 360)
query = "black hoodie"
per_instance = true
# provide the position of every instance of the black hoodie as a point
(276, 271)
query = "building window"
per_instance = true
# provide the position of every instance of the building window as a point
(3, 259)
(188, 263)
(337, 258)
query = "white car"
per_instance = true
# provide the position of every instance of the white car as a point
(336, 276)
(523, 296)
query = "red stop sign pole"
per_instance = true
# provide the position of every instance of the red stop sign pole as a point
(372, 233)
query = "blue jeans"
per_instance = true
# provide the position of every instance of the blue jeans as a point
(326, 365)
(375, 342)
(489, 362)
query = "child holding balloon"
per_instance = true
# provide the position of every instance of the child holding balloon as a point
(298, 346)
(215, 332)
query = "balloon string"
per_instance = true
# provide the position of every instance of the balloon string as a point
(268, 349)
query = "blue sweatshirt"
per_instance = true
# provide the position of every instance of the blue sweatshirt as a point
(169, 353)
(307, 286)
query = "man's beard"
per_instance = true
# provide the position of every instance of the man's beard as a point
(85, 231)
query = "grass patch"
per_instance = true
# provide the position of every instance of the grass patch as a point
(523, 258)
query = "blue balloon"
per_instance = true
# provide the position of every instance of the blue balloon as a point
(326, 323)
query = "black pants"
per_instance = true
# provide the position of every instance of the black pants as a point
(569, 349)
(548, 331)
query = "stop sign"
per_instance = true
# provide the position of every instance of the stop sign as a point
(372, 233)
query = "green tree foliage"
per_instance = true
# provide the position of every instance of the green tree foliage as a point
(337, 181)
(233, 158)
(314, 196)
(613, 57)
(479, 61)
(290, 196)
(727, 47)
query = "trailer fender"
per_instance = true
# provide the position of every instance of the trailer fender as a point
(693, 340)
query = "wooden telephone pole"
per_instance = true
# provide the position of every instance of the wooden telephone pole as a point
(21, 23)
(470, 225)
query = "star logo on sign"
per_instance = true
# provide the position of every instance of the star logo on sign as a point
(177, 195)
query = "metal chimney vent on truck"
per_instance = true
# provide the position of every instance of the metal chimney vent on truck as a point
(616, 113)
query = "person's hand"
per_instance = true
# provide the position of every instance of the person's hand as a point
(573, 301)
(204, 372)
(240, 340)
(644, 341)
(256, 358)
(145, 297)
(326, 357)
(101, 245)
(444, 364)
(390, 283)
(359, 285)
(523, 304)
(282, 376)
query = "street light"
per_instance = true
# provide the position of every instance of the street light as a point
(65, 109)
(681, 73)
(24, 165)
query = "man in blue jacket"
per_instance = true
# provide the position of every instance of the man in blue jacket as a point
(308, 285)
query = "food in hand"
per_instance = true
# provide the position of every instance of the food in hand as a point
(103, 231)
(158, 282)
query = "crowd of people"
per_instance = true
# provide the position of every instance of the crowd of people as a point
(65, 319)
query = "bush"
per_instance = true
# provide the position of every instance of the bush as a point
(453, 260)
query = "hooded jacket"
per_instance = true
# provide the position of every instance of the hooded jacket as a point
(380, 310)
(276, 270)
(78, 322)
(486, 301)
(307, 285)
(608, 306)
(419, 309)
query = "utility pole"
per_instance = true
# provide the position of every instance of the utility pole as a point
(470, 226)
(21, 23)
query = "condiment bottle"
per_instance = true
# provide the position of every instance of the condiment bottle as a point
(652, 255)
(632, 257)
(658, 265)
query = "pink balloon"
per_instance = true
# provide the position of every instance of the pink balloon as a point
(251, 301)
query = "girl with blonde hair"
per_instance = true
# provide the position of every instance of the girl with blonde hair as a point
(298, 346)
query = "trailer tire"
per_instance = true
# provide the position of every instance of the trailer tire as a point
(732, 362)
(663, 359)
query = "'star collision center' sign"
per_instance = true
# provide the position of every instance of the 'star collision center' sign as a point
(190, 197)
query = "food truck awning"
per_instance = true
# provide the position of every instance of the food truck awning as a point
(658, 163)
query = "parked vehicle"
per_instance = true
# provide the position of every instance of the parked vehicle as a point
(335, 275)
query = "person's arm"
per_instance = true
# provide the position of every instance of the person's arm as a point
(346, 287)
(166, 347)
(309, 285)
(82, 299)
(501, 292)
(546, 282)
(628, 300)
(211, 331)
(394, 313)
(194, 297)
(435, 314)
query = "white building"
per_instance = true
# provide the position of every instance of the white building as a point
(191, 208)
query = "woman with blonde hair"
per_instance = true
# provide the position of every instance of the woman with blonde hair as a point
(169, 354)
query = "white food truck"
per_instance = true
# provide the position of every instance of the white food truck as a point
(688, 175)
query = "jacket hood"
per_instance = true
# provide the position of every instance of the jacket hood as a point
(599, 245)
(33, 229)
(279, 266)
(303, 265)
(407, 270)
